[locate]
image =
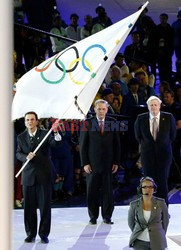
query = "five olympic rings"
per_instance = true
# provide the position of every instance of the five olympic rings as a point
(73, 65)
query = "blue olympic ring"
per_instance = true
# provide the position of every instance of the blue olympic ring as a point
(89, 48)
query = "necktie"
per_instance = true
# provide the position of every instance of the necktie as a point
(32, 137)
(155, 128)
(101, 127)
(136, 98)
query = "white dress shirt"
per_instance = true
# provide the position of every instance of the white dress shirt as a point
(151, 121)
(57, 136)
(145, 234)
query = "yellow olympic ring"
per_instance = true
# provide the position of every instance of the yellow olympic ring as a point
(70, 66)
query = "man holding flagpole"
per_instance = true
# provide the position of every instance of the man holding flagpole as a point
(36, 177)
(64, 86)
(100, 156)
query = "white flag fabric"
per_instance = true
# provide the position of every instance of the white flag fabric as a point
(73, 74)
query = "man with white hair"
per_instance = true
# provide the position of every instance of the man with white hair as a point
(156, 131)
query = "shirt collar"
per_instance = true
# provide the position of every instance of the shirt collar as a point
(33, 134)
(157, 116)
(100, 120)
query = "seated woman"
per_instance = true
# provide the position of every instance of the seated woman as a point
(148, 218)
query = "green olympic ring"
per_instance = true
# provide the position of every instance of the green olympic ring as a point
(58, 81)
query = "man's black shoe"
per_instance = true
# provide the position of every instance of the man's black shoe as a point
(93, 222)
(108, 221)
(44, 240)
(30, 239)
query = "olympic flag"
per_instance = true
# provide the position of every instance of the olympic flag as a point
(66, 83)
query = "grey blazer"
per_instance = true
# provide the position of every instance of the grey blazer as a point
(157, 224)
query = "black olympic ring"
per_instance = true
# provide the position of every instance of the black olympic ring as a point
(68, 70)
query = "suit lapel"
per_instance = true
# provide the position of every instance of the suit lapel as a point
(27, 137)
(161, 125)
(95, 125)
(133, 101)
(36, 141)
(153, 209)
(107, 126)
(27, 140)
(37, 135)
(140, 212)
(147, 125)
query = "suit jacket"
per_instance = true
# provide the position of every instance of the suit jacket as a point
(100, 151)
(157, 152)
(157, 224)
(39, 169)
(129, 104)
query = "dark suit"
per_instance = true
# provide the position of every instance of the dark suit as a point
(101, 152)
(131, 108)
(36, 181)
(156, 156)
(129, 105)
(157, 224)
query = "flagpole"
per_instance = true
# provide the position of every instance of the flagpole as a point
(93, 74)
(36, 149)
(46, 33)
(6, 145)
(49, 132)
